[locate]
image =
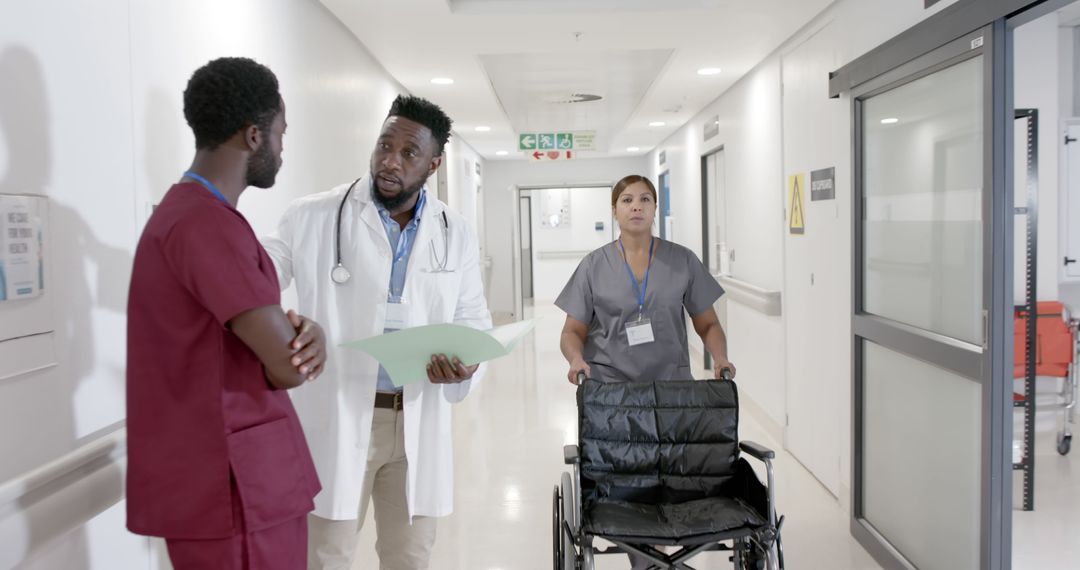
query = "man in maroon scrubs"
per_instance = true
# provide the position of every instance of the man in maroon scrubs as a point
(217, 461)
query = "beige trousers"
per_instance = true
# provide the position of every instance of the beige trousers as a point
(400, 545)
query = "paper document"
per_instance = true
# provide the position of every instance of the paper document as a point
(406, 353)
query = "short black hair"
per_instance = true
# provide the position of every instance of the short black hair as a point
(228, 94)
(423, 112)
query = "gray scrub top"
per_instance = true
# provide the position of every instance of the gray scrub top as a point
(600, 294)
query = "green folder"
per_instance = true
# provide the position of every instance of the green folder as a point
(406, 353)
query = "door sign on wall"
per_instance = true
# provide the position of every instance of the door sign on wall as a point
(823, 184)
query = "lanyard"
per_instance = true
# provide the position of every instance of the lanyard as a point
(208, 185)
(640, 292)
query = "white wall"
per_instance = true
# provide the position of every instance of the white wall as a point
(1069, 83)
(91, 116)
(764, 140)
(500, 206)
(1036, 73)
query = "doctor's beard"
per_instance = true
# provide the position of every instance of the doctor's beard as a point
(392, 203)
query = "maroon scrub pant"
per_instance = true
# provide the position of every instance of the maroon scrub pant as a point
(281, 547)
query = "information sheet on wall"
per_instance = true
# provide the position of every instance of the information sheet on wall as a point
(555, 208)
(22, 263)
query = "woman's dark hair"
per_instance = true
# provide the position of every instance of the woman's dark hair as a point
(227, 95)
(626, 182)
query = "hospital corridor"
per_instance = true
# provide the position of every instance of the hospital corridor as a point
(531, 284)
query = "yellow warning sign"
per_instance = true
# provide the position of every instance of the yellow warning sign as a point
(797, 203)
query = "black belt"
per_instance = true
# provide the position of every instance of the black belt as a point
(389, 400)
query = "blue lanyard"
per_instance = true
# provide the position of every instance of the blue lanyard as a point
(209, 186)
(645, 282)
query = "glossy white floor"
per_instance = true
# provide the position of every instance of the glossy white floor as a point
(508, 438)
(1049, 536)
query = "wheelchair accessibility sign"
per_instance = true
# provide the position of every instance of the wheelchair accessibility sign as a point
(556, 140)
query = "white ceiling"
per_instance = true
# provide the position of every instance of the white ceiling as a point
(1070, 15)
(536, 89)
(510, 58)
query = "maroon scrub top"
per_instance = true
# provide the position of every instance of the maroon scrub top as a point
(199, 408)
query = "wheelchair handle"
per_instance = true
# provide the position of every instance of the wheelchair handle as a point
(726, 374)
(580, 376)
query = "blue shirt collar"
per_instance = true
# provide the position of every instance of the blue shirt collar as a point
(417, 210)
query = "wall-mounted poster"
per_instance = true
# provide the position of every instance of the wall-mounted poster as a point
(22, 263)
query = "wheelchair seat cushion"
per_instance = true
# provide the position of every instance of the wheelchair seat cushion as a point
(657, 442)
(692, 522)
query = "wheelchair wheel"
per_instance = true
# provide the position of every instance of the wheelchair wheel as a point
(556, 531)
(743, 555)
(570, 524)
(587, 557)
(749, 555)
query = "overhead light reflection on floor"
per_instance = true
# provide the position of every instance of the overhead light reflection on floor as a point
(511, 504)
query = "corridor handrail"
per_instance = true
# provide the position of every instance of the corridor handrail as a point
(760, 299)
(60, 496)
(567, 254)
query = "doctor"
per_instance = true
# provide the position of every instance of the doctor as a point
(371, 256)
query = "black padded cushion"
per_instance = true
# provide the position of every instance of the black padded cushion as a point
(658, 442)
(661, 459)
(677, 523)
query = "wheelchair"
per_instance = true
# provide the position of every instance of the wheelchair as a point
(658, 463)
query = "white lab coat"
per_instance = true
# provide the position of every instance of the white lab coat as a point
(336, 409)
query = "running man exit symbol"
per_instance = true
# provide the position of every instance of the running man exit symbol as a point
(796, 204)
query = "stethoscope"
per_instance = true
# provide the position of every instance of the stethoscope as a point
(341, 275)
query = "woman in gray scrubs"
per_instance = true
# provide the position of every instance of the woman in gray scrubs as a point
(624, 304)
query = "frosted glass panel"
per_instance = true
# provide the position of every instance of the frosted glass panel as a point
(923, 178)
(921, 459)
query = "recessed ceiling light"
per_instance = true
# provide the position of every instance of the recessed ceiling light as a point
(483, 129)
(890, 121)
(501, 153)
(442, 81)
(708, 71)
(657, 124)
(632, 149)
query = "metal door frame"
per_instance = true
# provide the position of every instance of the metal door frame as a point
(532, 280)
(996, 19)
(664, 200)
(706, 204)
(984, 363)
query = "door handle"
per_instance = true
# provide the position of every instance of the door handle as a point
(1069, 260)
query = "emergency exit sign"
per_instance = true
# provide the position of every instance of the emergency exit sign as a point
(557, 140)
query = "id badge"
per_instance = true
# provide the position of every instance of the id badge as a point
(397, 316)
(639, 332)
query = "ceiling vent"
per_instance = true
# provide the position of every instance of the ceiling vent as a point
(576, 98)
